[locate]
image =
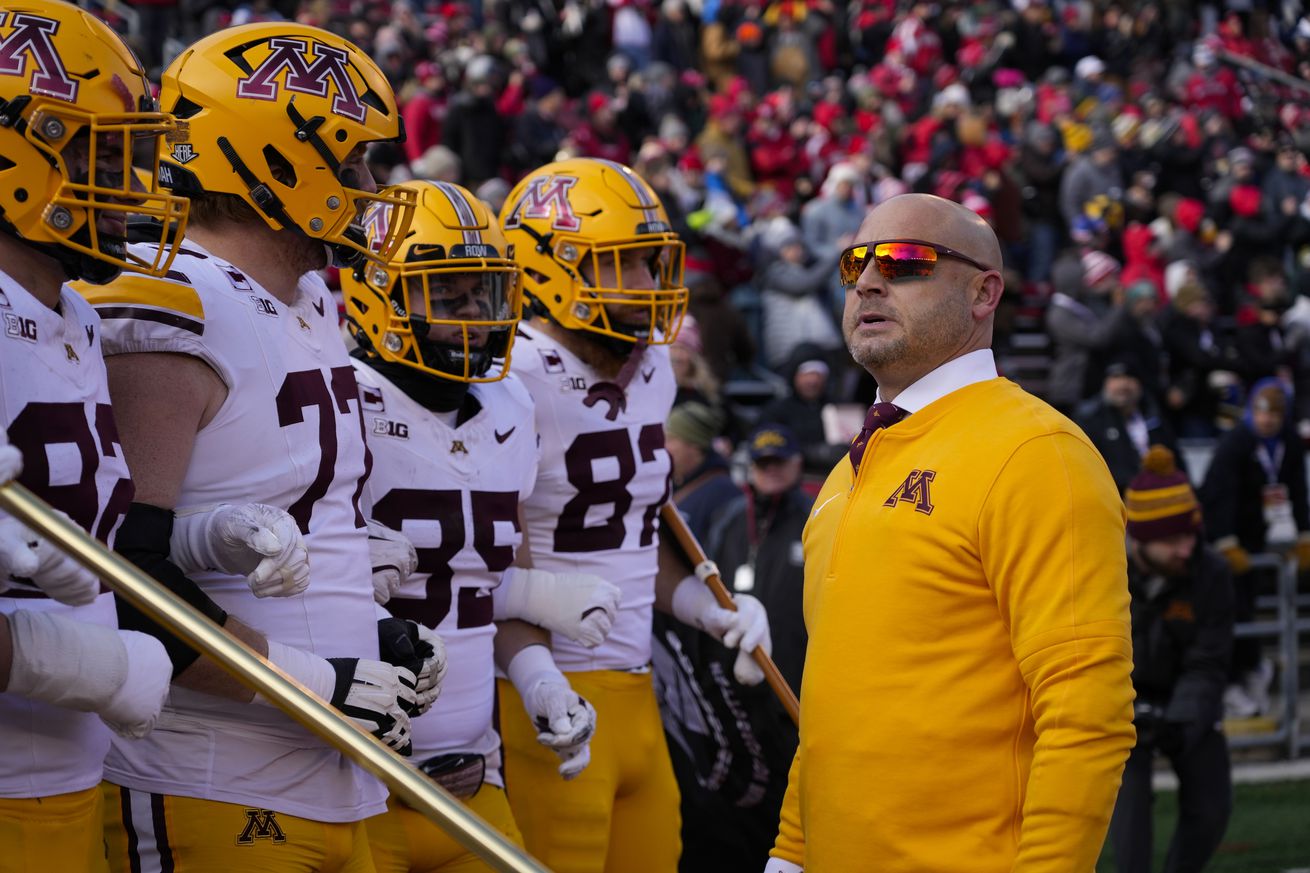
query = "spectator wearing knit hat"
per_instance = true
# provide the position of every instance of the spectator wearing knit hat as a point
(1182, 616)
(1082, 320)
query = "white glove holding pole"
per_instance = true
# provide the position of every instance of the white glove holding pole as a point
(565, 721)
(121, 675)
(31, 559)
(580, 606)
(744, 629)
(393, 557)
(262, 543)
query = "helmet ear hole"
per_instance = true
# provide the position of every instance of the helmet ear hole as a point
(280, 168)
(185, 108)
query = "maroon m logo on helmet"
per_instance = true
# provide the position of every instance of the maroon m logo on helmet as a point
(31, 37)
(291, 55)
(546, 196)
(377, 225)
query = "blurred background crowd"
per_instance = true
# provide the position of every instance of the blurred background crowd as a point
(1143, 164)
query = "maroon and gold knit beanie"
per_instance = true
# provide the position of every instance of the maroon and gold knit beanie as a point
(1159, 500)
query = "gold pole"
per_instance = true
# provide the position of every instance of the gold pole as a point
(238, 659)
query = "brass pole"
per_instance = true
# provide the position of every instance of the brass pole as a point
(238, 659)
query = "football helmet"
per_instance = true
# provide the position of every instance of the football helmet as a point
(78, 143)
(274, 113)
(448, 302)
(577, 226)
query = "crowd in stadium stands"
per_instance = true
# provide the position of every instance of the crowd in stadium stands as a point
(1146, 178)
(1143, 165)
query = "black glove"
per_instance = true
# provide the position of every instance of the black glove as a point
(378, 696)
(405, 643)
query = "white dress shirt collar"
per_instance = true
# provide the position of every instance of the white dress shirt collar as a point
(977, 366)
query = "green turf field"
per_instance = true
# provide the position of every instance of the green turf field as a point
(1268, 833)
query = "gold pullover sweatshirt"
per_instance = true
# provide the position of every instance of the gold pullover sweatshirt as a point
(967, 703)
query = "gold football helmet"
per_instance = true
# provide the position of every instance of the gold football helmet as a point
(78, 142)
(448, 302)
(597, 250)
(278, 114)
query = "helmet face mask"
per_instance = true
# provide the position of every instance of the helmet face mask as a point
(279, 115)
(631, 290)
(78, 145)
(597, 251)
(449, 302)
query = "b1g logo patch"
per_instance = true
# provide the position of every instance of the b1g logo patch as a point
(330, 67)
(19, 327)
(261, 824)
(916, 490)
(32, 39)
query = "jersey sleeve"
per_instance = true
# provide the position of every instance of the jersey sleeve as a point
(140, 314)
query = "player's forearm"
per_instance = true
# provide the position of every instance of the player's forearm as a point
(206, 676)
(513, 636)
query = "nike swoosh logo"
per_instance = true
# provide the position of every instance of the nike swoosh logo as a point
(648, 374)
(501, 437)
(815, 514)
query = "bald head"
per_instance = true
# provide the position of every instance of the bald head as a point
(903, 327)
(933, 219)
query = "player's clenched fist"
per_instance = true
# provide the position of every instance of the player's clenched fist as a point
(262, 543)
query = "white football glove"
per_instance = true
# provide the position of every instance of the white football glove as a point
(564, 721)
(393, 557)
(262, 543)
(122, 675)
(24, 554)
(745, 629)
(777, 865)
(580, 606)
(417, 648)
(378, 697)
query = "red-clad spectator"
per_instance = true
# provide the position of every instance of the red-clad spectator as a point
(1212, 86)
(1142, 259)
(425, 111)
(599, 136)
(773, 152)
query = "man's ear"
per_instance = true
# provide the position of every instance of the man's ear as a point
(986, 293)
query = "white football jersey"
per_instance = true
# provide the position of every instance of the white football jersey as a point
(604, 476)
(55, 400)
(455, 492)
(290, 435)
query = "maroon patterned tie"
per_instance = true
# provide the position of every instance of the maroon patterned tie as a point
(880, 415)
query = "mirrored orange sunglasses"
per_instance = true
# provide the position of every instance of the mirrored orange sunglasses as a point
(898, 259)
